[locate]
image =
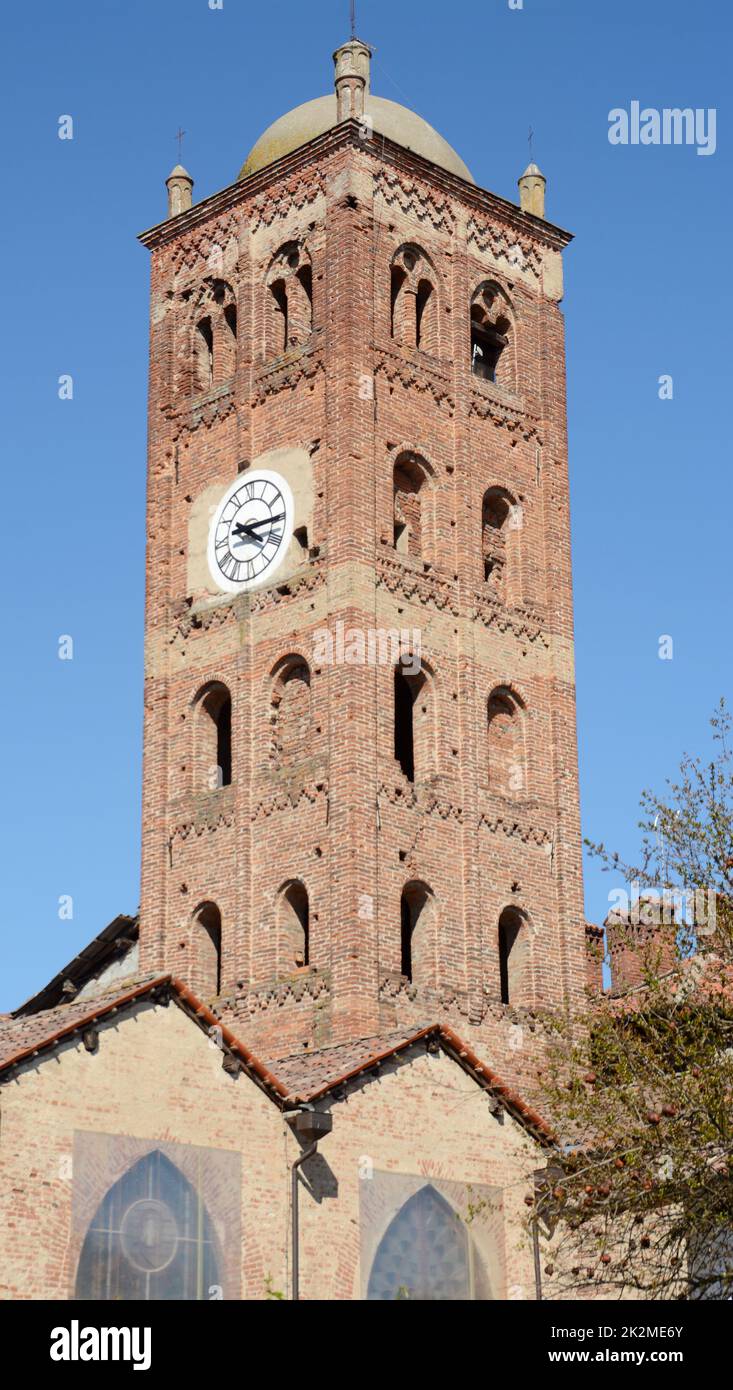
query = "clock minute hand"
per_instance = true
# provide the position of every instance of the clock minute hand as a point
(268, 521)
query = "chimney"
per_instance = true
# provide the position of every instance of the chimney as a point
(641, 939)
(179, 184)
(352, 62)
(594, 957)
(532, 191)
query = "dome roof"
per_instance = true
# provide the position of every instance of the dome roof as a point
(314, 118)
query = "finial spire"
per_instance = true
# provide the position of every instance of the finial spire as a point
(180, 185)
(532, 186)
(352, 15)
(352, 61)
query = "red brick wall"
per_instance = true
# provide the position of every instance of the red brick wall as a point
(342, 818)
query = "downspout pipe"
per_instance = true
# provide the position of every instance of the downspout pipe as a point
(310, 1125)
(295, 1225)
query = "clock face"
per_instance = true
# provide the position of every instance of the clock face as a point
(250, 531)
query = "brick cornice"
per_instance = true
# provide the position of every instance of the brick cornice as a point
(349, 134)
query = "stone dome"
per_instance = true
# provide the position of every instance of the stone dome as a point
(314, 118)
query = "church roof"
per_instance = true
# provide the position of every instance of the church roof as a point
(289, 1081)
(112, 944)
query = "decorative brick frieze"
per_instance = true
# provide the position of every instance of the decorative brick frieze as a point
(291, 799)
(521, 621)
(405, 579)
(294, 194)
(512, 252)
(415, 201)
(489, 402)
(303, 363)
(413, 371)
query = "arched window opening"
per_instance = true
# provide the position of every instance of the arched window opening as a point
(490, 329)
(404, 734)
(290, 299)
(426, 310)
(226, 346)
(513, 951)
(300, 308)
(414, 721)
(417, 909)
(409, 489)
(506, 753)
(304, 276)
(280, 302)
(413, 300)
(291, 711)
(150, 1240)
(405, 938)
(397, 280)
(204, 353)
(501, 525)
(224, 741)
(214, 752)
(294, 925)
(427, 1254)
(230, 318)
(207, 949)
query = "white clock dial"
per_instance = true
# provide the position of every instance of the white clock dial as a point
(250, 531)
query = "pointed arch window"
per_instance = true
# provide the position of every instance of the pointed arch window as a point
(289, 300)
(427, 1255)
(491, 329)
(413, 300)
(150, 1239)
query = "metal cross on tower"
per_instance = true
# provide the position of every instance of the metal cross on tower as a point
(179, 137)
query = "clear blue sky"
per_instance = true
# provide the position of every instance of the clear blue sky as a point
(648, 291)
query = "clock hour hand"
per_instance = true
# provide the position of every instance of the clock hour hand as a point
(246, 533)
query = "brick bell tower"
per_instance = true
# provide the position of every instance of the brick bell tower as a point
(360, 770)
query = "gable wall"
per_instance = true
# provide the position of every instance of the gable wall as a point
(157, 1077)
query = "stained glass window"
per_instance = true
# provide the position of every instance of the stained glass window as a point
(426, 1254)
(150, 1239)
